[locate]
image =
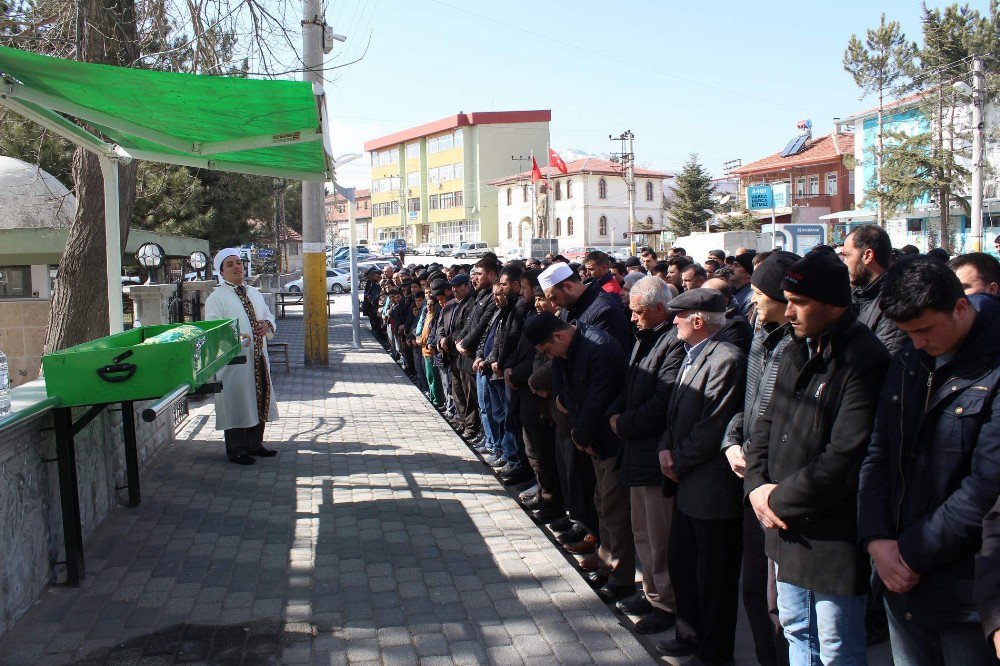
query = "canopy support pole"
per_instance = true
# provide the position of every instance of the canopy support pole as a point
(112, 243)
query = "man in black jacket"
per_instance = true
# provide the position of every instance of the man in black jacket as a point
(705, 533)
(803, 462)
(933, 466)
(637, 418)
(588, 304)
(867, 251)
(463, 384)
(988, 578)
(481, 310)
(587, 372)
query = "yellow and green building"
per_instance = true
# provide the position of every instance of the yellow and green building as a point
(431, 183)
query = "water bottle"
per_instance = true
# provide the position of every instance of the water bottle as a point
(4, 385)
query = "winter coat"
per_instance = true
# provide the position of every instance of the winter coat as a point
(700, 406)
(810, 441)
(479, 313)
(236, 406)
(596, 307)
(736, 331)
(762, 370)
(933, 467)
(870, 314)
(510, 337)
(642, 404)
(586, 382)
(988, 574)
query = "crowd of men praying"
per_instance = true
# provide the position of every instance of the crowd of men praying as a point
(814, 434)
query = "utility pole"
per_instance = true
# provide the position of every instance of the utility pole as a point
(978, 132)
(627, 160)
(313, 247)
(519, 159)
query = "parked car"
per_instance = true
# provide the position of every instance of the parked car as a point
(578, 253)
(466, 250)
(337, 281)
(515, 253)
(394, 247)
(444, 250)
(344, 252)
(424, 249)
(620, 254)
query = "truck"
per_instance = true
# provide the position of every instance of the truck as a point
(698, 245)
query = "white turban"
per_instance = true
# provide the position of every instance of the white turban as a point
(222, 255)
(553, 275)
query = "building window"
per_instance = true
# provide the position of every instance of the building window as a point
(524, 194)
(850, 181)
(831, 183)
(340, 208)
(15, 281)
(558, 227)
(413, 205)
(412, 150)
(459, 169)
(385, 157)
(509, 198)
(459, 199)
(800, 187)
(602, 189)
(569, 226)
(602, 226)
(558, 190)
(813, 185)
(569, 188)
(510, 230)
(433, 202)
(413, 179)
(649, 190)
(459, 137)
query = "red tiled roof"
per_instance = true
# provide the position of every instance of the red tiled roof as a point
(289, 235)
(829, 148)
(893, 104)
(460, 120)
(359, 195)
(594, 165)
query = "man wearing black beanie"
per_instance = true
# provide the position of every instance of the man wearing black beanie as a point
(804, 457)
(740, 281)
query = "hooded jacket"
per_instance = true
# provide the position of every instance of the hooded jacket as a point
(933, 468)
(870, 314)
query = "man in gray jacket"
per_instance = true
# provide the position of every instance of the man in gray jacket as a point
(706, 532)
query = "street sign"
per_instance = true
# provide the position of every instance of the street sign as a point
(780, 194)
(265, 253)
(760, 197)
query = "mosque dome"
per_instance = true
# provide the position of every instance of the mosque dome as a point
(31, 198)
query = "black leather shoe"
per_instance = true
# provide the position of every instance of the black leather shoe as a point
(564, 524)
(264, 453)
(546, 514)
(596, 579)
(242, 460)
(655, 622)
(519, 474)
(637, 605)
(572, 535)
(676, 648)
(610, 592)
(534, 504)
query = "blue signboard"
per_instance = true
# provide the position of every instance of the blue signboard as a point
(265, 253)
(760, 197)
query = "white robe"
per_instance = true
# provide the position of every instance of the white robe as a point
(236, 405)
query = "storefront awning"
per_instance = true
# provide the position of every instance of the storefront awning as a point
(857, 215)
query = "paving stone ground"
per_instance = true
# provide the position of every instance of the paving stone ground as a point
(375, 536)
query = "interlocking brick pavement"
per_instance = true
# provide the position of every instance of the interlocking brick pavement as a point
(375, 536)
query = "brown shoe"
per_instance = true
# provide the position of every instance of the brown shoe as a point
(587, 545)
(590, 563)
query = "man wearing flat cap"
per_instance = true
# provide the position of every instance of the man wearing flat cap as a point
(804, 458)
(706, 530)
(247, 399)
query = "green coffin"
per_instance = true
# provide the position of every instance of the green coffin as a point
(121, 367)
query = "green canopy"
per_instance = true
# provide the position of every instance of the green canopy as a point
(264, 127)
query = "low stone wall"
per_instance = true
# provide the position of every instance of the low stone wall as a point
(23, 323)
(31, 536)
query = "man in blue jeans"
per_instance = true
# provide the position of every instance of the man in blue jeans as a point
(803, 461)
(933, 467)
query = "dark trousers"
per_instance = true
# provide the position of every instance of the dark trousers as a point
(540, 449)
(241, 441)
(471, 396)
(704, 564)
(513, 421)
(578, 482)
(760, 596)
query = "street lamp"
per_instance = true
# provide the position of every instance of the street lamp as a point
(348, 194)
(150, 256)
(198, 260)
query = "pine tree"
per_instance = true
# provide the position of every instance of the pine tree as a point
(692, 197)
(881, 65)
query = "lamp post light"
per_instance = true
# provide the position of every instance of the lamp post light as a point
(198, 260)
(150, 256)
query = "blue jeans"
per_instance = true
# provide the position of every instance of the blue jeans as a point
(499, 399)
(483, 397)
(917, 645)
(827, 629)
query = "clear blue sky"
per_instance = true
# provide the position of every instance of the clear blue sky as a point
(726, 80)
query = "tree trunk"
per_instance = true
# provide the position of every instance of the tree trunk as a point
(106, 33)
(944, 194)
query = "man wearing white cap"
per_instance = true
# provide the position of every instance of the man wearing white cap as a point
(247, 400)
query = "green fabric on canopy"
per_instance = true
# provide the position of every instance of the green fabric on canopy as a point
(276, 126)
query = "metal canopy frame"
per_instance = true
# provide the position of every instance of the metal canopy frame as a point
(51, 111)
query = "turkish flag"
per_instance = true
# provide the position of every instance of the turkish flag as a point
(536, 173)
(557, 162)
